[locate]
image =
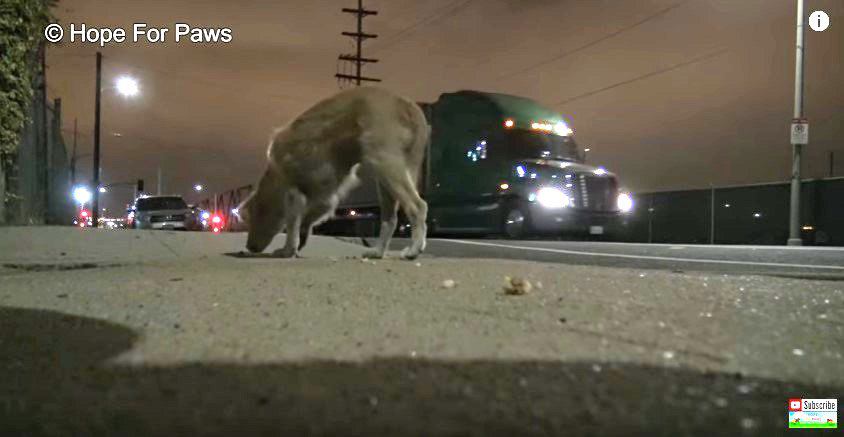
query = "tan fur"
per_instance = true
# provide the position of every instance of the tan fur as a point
(312, 165)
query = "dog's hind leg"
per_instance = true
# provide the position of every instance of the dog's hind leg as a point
(401, 186)
(389, 220)
(295, 207)
(417, 214)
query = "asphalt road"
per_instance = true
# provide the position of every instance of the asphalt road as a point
(797, 262)
(150, 333)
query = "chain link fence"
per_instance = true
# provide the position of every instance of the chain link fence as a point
(35, 178)
(750, 214)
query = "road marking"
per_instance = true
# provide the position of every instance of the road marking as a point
(712, 246)
(658, 258)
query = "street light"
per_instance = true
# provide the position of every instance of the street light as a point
(127, 86)
(585, 151)
(197, 187)
(103, 189)
(82, 195)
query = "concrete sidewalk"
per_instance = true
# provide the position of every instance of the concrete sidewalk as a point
(69, 246)
(163, 331)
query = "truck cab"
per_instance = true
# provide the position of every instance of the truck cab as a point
(502, 163)
(499, 164)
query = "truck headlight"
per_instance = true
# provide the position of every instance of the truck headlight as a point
(625, 202)
(553, 198)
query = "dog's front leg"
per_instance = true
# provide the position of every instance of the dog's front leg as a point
(296, 204)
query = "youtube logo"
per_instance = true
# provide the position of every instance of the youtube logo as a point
(795, 405)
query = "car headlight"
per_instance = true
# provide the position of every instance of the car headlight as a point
(553, 198)
(625, 202)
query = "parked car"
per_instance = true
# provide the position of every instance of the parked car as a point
(161, 212)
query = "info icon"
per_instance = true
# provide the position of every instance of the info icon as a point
(795, 405)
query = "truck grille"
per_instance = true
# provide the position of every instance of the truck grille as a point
(167, 218)
(596, 193)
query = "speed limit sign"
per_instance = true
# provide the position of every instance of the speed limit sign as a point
(799, 131)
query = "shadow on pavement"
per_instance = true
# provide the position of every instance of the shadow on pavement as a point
(243, 254)
(262, 255)
(56, 381)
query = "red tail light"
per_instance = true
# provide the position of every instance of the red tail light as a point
(217, 223)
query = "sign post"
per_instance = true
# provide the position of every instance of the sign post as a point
(799, 135)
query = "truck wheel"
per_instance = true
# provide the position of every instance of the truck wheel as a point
(516, 222)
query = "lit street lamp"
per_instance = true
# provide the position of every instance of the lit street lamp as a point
(103, 189)
(125, 86)
(82, 195)
(197, 187)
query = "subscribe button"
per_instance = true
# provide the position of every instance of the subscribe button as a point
(812, 413)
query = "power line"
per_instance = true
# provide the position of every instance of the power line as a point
(189, 77)
(595, 42)
(129, 135)
(428, 20)
(195, 78)
(645, 76)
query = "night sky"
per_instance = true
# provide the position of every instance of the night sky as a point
(669, 94)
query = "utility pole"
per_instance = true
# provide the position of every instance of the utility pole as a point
(95, 213)
(159, 180)
(44, 146)
(73, 156)
(711, 214)
(359, 37)
(56, 131)
(794, 214)
(651, 220)
(831, 164)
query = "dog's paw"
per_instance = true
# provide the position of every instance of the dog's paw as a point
(373, 254)
(409, 253)
(285, 252)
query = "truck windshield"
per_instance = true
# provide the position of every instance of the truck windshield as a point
(529, 144)
(158, 203)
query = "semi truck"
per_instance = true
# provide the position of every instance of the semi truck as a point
(500, 164)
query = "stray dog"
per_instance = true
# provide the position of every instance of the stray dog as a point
(313, 164)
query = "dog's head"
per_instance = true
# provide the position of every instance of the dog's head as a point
(262, 213)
